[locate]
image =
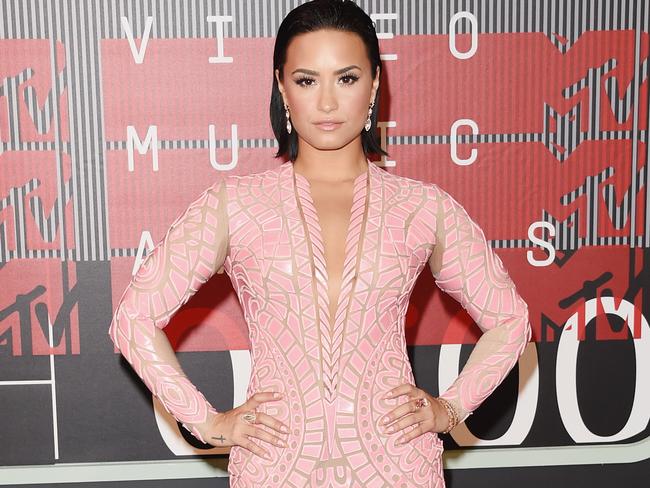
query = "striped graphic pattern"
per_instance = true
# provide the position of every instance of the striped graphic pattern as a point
(186, 18)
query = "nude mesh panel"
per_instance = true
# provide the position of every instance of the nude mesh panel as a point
(465, 266)
(193, 249)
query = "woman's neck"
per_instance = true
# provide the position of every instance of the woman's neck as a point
(330, 166)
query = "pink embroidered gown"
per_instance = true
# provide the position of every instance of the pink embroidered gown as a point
(263, 230)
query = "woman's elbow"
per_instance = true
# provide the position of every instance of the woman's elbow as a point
(118, 326)
(526, 329)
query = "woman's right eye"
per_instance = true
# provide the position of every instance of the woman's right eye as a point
(301, 81)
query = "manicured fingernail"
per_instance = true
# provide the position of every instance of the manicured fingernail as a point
(284, 429)
(384, 420)
(276, 395)
(267, 456)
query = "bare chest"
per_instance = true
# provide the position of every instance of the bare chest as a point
(333, 204)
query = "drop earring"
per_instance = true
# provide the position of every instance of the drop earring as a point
(286, 113)
(368, 121)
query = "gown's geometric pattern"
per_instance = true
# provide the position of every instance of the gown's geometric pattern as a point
(333, 371)
(191, 251)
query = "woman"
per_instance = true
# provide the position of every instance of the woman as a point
(323, 252)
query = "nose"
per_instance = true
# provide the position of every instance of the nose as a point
(327, 99)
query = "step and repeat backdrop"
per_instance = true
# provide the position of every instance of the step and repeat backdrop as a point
(115, 115)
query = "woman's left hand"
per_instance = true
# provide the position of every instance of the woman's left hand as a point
(430, 418)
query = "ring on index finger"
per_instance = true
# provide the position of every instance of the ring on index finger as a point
(249, 417)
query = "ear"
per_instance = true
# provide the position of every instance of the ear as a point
(375, 85)
(280, 85)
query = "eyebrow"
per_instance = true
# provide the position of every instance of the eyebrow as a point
(314, 73)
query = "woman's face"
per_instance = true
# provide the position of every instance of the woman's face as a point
(327, 77)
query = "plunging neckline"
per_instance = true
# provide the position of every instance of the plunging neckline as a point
(356, 223)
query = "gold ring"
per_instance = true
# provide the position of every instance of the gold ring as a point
(421, 402)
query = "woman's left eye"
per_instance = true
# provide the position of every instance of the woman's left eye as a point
(353, 79)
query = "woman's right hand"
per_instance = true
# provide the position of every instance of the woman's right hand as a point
(229, 428)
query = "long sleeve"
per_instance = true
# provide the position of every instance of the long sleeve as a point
(465, 266)
(192, 250)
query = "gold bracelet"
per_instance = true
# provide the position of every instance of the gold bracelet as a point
(451, 414)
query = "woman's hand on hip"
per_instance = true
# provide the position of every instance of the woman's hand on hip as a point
(427, 418)
(230, 428)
